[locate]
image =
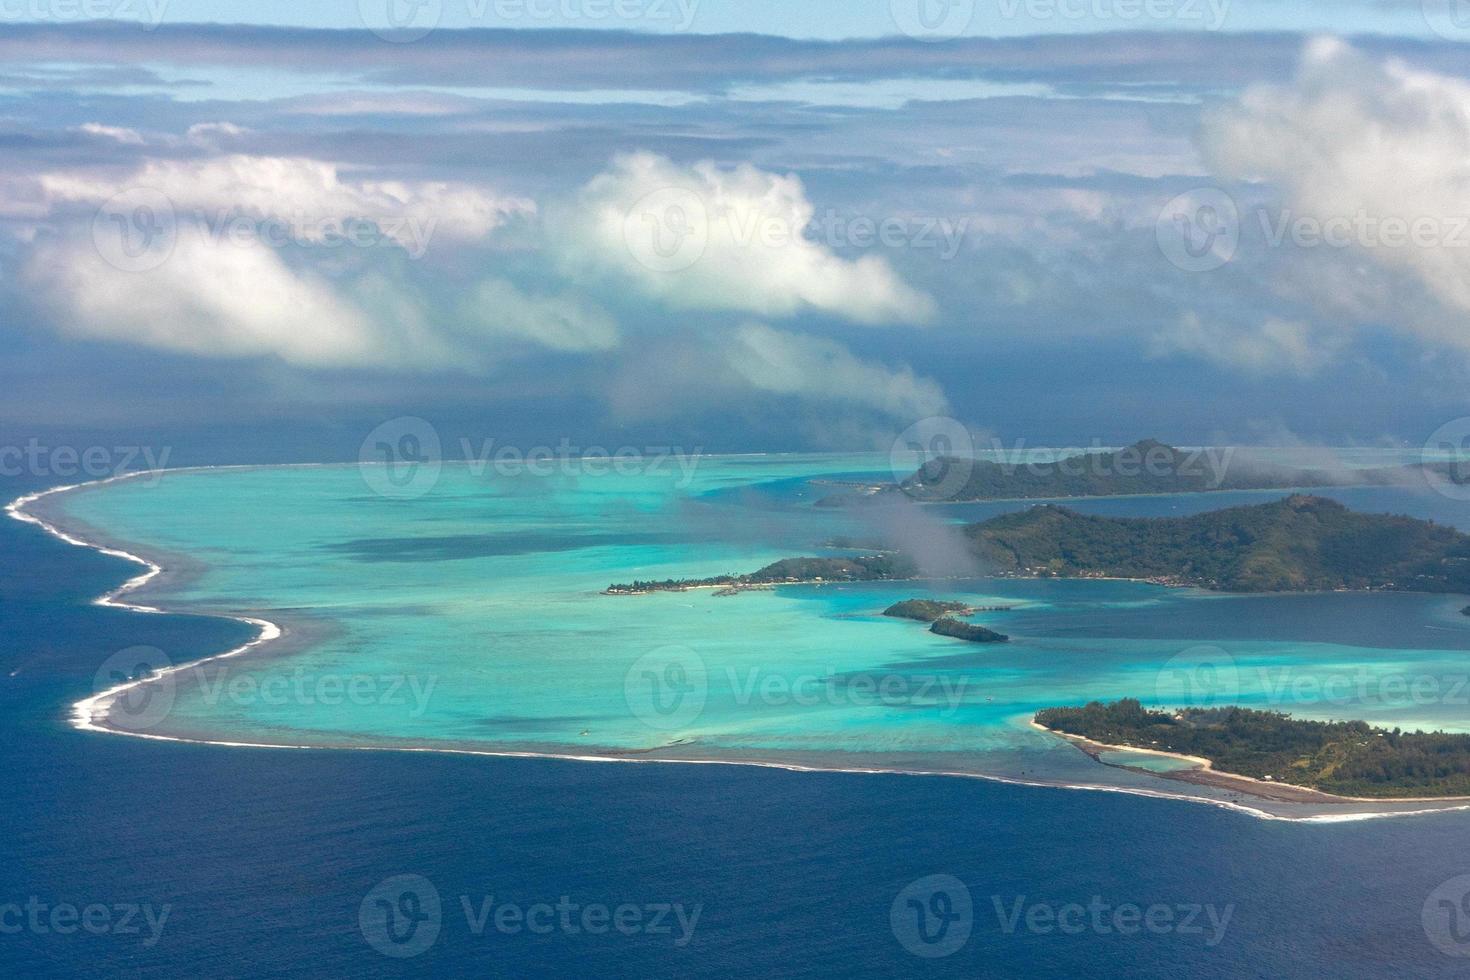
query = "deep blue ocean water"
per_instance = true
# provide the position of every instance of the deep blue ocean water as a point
(264, 858)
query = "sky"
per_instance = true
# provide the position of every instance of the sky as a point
(735, 225)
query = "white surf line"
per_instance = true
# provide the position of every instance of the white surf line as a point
(90, 714)
(796, 767)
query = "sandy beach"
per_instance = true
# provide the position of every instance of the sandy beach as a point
(279, 635)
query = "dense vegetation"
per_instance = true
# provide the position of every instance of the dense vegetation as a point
(1297, 544)
(949, 626)
(924, 610)
(859, 568)
(1349, 758)
(1145, 467)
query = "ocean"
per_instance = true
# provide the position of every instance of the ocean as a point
(130, 857)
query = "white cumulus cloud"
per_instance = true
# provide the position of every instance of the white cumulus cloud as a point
(242, 256)
(310, 200)
(209, 299)
(1375, 158)
(706, 238)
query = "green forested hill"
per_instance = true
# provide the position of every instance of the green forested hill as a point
(1301, 543)
(1146, 467)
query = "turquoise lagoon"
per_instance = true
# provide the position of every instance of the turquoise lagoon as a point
(471, 618)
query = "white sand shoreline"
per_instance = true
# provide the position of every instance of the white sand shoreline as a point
(90, 714)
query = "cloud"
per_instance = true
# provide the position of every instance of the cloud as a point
(1275, 346)
(210, 135)
(1377, 156)
(118, 134)
(210, 299)
(555, 58)
(815, 369)
(311, 198)
(707, 238)
(562, 323)
(247, 256)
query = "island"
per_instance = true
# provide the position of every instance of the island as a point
(961, 630)
(1298, 544)
(1146, 467)
(926, 610)
(787, 571)
(1342, 758)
